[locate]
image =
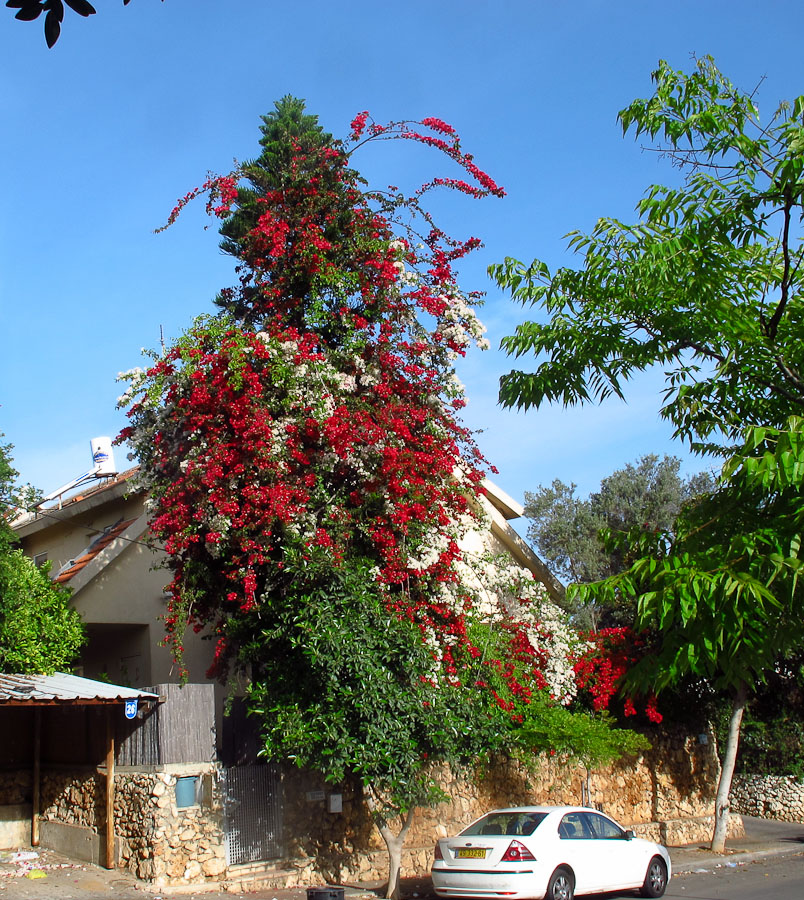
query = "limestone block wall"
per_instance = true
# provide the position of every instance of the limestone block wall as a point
(15, 786)
(770, 796)
(667, 794)
(163, 843)
(74, 797)
(159, 842)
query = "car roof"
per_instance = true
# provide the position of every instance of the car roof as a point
(539, 809)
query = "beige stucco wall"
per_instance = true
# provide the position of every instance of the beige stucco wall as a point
(121, 600)
(129, 591)
(64, 540)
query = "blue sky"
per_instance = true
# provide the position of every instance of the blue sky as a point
(132, 107)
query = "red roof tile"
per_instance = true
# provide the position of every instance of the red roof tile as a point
(92, 488)
(92, 551)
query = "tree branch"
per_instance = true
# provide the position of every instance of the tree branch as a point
(773, 324)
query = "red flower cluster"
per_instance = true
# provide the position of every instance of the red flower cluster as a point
(600, 670)
(317, 427)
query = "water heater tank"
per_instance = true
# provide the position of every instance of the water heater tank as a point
(102, 456)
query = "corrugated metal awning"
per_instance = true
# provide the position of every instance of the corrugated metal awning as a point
(63, 689)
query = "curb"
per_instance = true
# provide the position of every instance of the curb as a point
(708, 863)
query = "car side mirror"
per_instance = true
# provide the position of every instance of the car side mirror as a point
(629, 835)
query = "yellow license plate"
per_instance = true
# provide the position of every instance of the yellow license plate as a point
(470, 853)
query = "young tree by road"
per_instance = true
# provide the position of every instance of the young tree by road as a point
(707, 285)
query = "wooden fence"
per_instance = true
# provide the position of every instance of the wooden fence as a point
(181, 729)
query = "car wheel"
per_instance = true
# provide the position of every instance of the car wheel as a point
(655, 879)
(560, 886)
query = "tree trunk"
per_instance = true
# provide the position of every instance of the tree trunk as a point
(393, 842)
(394, 845)
(727, 771)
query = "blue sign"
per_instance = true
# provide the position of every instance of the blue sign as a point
(131, 708)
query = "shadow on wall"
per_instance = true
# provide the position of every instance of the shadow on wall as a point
(329, 824)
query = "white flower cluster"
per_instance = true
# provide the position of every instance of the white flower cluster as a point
(405, 277)
(347, 383)
(134, 377)
(460, 324)
(507, 590)
(429, 555)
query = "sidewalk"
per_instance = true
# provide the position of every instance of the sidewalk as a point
(763, 838)
(48, 876)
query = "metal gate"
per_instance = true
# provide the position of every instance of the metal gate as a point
(252, 810)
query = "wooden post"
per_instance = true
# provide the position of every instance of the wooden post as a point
(110, 861)
(37, 775)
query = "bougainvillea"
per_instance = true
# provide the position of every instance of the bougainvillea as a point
(313, 486)
(541, 644)
(610, 653)
(314, 420)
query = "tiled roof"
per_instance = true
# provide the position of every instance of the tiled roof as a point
(101, 542)
(88, 490)
(62, 688)
(89, 495)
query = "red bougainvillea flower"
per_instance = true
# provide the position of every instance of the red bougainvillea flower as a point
(312, 424)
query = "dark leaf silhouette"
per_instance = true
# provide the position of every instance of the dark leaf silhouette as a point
(53, 26)
(28, 10)
(81, 7)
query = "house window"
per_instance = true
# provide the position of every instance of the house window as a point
(40, 559)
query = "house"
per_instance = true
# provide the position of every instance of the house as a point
(237, 814)
(97, 543)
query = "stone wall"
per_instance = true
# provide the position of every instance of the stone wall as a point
(770, 796)
(15, 786)
(667, 794)
(159, 842)
(73, 797)
(165, 844)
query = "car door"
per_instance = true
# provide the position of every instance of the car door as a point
(616, 861)
(576, 847)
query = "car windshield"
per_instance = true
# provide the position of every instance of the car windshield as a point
(511, 823)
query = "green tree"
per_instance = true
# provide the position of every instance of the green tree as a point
(347, 689)
(566, 529)
(292, 141)
(723, 591)
(39, 632)
(707, 284)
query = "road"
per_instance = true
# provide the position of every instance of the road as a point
(775, 878)
(779, 879)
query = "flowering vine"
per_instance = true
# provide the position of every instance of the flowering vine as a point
(312, 425)
(600, 669)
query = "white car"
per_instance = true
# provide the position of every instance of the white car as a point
(551, 852)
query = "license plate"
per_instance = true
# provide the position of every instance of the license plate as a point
(470, 853)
